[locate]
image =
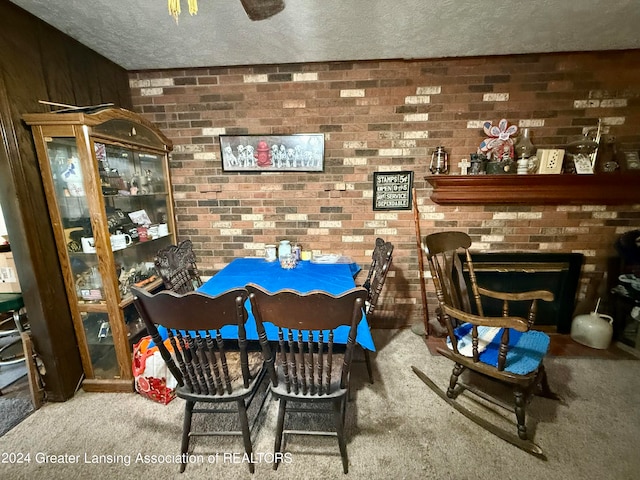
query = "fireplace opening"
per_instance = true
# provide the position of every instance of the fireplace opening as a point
(523, 271)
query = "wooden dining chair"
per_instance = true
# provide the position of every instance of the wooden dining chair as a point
(502, 348)
(176, 264)
(380, 263)
(208, 369)
(304, 368)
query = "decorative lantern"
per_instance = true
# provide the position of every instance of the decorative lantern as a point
(439, 161)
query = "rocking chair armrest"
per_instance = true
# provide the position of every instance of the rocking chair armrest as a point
(544, 295)
(517, 323)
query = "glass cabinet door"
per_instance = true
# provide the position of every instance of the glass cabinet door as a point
(100, 343)
(135, 198)
(73, 209)
(70, 195)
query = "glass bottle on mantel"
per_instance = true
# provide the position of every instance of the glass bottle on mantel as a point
(523, 150)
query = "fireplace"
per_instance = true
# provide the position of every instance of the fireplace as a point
(522, 271)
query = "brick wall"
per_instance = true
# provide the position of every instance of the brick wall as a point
(386, 116)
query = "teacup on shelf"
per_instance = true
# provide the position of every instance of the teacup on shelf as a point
(163, 230)
(120, 241)
(270, 253)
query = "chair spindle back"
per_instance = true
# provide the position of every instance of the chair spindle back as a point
(305, 360)
(177, 266)
(205, 364)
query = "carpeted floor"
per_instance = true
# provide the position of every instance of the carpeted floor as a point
(15, 396)
(12, 411)
(397, 428)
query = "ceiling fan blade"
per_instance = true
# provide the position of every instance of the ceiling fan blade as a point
(262, 9)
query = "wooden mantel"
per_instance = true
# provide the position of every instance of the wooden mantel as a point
(562, 189)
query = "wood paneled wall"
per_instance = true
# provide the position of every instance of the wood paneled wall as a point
(41, 63)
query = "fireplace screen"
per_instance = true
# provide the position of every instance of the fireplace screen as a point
(519, 272)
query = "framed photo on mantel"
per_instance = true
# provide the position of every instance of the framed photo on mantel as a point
(392, 190)
(272, 153)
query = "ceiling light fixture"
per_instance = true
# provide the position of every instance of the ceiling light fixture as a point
(175, 10)
(256, 9)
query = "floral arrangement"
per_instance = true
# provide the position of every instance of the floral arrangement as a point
(499, 145)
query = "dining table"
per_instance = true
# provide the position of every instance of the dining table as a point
(306, 276)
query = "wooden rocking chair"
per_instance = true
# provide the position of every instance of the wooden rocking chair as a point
(500, 348)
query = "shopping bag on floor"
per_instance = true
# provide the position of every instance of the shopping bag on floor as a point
(152, 377)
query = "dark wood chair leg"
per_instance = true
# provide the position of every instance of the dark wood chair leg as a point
(457, 371)
(246, 433)
(344, 410)
(279, 432)
(367, 361)
(520, 413)
(186, 429)
(338, 413)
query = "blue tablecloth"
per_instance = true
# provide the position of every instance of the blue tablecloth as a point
(332, 278)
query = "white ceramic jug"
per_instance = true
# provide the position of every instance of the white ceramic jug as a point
(594, 330)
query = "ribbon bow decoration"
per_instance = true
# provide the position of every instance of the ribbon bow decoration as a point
(499, 139)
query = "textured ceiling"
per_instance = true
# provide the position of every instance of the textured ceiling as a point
(140, 34)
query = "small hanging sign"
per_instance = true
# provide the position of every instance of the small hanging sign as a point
(392, 190)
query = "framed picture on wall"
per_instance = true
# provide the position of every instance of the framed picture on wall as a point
(272, 153)
(392, 190)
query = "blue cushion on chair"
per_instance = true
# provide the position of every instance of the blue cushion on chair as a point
(526, 349)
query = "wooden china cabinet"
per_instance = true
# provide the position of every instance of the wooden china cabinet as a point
(106, 179)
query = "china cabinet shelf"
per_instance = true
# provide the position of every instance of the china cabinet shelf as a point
(139, 196)
(563, 189)
(152, 286)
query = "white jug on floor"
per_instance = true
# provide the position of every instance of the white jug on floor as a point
(594, 330)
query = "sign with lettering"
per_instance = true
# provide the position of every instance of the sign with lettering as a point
(392, 190)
